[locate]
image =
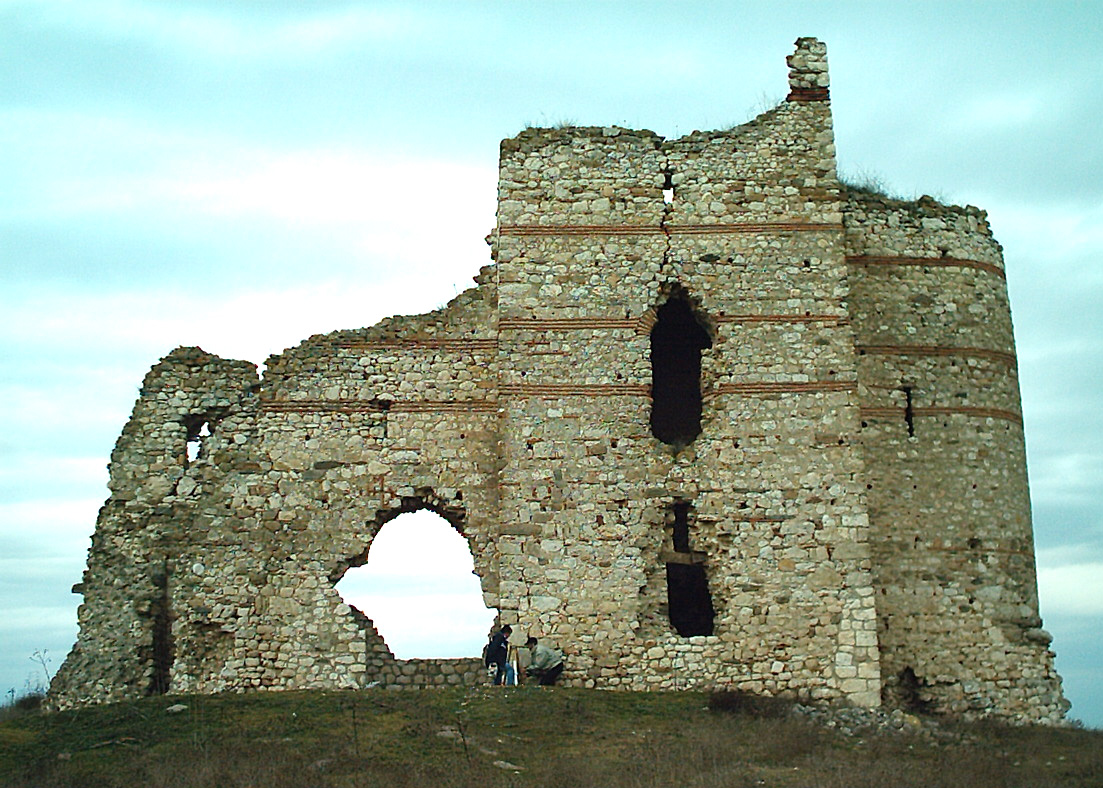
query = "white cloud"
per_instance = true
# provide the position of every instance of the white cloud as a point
(1040, 235)
(230, 32)
(37, 618)
(77, 407)
(382, 194)
(57, 471)
(992, 112)
(117, 165)
(1068, 477)
(68, 524)
(247, 325)
(1072, 589)
(436, 626)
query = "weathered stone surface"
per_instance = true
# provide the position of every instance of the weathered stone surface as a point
(850, 517)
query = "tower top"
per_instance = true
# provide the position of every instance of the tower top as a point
(808, 77)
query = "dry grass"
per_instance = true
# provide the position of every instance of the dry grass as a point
(557, 738)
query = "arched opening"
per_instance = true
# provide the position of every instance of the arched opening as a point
(419, 589)
(676, 344)
(907, 694)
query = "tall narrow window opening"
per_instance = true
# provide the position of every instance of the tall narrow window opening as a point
(680, 535)
(689, 602)
(161, 613)
(909, 411)
(676, 344)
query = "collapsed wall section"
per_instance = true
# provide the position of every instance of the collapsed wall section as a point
(192, 411)
(354, 428)
(215, 569)
(942, 431)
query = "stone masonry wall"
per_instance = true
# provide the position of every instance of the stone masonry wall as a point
(774, 525)
(942, 433)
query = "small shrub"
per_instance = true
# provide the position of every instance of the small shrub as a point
(27, 703)
(30, 702)
(749, 705)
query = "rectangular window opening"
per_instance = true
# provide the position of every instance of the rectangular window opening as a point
(689, 602)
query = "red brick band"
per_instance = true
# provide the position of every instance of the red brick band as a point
(537, 230)
(808, 94)
(898, 413)
(375, 406)
(766, 227)
(834, 319)
(784, 387)
(638, 390)
(987, 413)
(937, 350)
(445, 406)
(574, 390)
(567, 323)
(944, 262)
(322, 406)
(417, 343)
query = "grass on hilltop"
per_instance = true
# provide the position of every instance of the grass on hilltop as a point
(526, 736)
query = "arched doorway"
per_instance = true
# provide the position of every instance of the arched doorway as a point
(419, 589)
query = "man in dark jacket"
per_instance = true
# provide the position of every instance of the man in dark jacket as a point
(497, 653)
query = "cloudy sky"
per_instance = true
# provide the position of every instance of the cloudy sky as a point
(241, 175)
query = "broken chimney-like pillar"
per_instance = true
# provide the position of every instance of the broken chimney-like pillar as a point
(808, 76)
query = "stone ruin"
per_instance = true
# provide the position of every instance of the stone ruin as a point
(710, 419)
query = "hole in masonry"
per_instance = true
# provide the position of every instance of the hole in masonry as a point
(909, 411)
(162, 647)
(195, 445)
(668, 195)
(677, 341)
(689, 601)
(909, 692)
(198, 428)
(419, 589)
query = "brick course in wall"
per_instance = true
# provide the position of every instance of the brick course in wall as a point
(845, 517)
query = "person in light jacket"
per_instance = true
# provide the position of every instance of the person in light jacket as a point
(546, 663)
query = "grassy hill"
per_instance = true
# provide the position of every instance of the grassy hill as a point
(524, 736)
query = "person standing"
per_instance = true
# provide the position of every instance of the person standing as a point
(547, 663)
(497, 653)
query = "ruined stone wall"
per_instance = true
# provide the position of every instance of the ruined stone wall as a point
(151, 525)
(946, 463)
(693, 424)
(588, 251)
